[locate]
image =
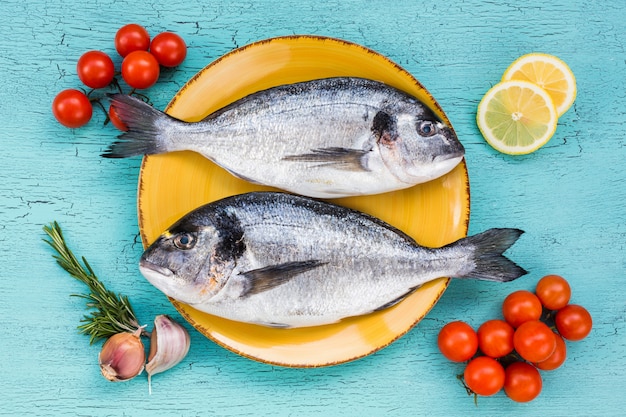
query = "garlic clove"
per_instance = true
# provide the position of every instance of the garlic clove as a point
(169, 344)
(122, 356)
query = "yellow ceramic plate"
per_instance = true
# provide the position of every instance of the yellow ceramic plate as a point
(171, 185)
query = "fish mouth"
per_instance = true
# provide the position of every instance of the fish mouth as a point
(453, 155)
(166, 281)
(148, 268)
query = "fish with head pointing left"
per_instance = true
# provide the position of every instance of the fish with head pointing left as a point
(324, 138)
(277, 259)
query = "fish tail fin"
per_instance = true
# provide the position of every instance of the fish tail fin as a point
(489, 262)
(144, 135)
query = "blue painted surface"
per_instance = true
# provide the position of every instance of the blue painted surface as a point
(570, 197)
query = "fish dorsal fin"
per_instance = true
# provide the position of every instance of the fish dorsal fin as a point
(268, 277)
(336, 157)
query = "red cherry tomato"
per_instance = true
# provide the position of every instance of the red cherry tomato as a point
(495, 338)
(457, 341)
(521, 306)
(553, 291)
(169, 49)
(115, 120)
(573, 322)
(534, 341)
(522, 382)
(484, 375)
(95, 69)
(557, 358)
(140, 69)
(131, 37)
(72, 108)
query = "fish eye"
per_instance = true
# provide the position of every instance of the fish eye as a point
(185, 240)
(426, 128)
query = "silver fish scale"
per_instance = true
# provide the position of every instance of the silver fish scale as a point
(365, 264)
(288, 124)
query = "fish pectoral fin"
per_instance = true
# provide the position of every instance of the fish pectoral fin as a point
(397, 300)
(266, 278)
(340, 158)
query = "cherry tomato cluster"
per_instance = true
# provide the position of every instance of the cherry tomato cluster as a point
(140, 69)
(508, 354)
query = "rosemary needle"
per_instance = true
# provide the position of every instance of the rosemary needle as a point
(112, 312)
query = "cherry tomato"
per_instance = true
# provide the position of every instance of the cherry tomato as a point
(495, 338)
(95, 69)
(484, 375)
(140, 69)
(131, 37)
(457, 341)
(521, 306)
(534, 341)
(169, 49)
(557, 358)
(522, 382)
(115, 120)
(72, 108)
(553, 291)
(573, 322)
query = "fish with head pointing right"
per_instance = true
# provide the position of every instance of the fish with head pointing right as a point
(324, 138)
(281, 260)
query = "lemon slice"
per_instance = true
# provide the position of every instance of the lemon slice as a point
(517, 117)
(549, 73)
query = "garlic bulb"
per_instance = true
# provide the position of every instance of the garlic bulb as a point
(169, 344)
(122, 356)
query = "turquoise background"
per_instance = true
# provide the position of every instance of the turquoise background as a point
(570, 197)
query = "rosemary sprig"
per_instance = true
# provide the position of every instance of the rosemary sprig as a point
(112, 312)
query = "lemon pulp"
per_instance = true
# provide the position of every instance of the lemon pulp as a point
(517, 117)
(549, 73)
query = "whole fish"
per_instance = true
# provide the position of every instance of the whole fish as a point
(325, 138)
(281, 260)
